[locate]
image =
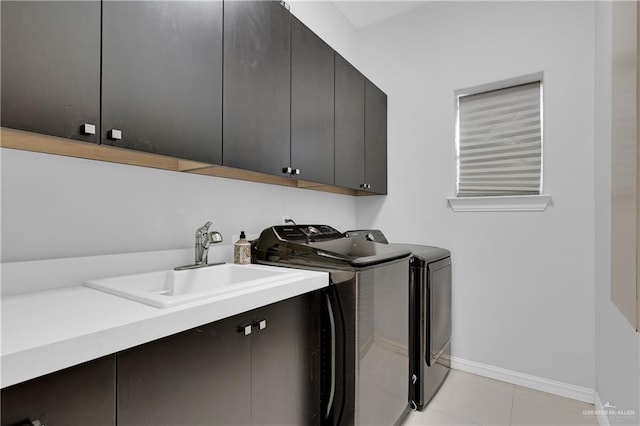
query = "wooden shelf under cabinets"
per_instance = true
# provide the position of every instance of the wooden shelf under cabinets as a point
(27, 141)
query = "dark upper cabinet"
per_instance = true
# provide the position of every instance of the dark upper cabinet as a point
(150, 76)
(312, 105)
(375, 136)
(349, 125)
(360, 131)
(256, 86)
(77, 396)
(51, 67)
(162, 77)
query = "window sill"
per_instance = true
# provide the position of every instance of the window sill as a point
(511, 203)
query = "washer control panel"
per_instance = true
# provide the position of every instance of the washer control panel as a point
(307, 232)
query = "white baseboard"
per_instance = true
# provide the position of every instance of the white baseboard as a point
(566, 390)
(603, 420)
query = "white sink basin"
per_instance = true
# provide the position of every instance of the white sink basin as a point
(165, 289)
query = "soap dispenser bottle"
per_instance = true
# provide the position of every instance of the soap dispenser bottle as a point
(242, 250)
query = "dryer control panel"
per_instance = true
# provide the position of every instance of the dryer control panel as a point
(374, 235)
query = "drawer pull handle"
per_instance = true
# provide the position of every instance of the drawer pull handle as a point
(262, 324)
(87, 129)
(245, 329)
(115, 134)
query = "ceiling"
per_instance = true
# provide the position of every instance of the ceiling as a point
(364, 13)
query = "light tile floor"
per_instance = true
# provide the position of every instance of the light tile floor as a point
(467, 399)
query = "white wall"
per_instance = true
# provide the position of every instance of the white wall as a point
(323, 18)
(65, 207)
(617, 352)
(58, 207)
(523, 296)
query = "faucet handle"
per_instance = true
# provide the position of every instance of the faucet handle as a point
(215, 237)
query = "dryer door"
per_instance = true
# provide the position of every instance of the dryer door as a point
(439, 303)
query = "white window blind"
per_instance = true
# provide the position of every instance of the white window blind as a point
(500, 142)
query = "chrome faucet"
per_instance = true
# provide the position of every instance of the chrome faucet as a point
(204, 239)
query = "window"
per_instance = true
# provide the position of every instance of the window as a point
(499, 141)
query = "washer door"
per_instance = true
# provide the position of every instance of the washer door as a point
(382, 340)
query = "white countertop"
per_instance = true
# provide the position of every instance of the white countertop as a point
(49, 330)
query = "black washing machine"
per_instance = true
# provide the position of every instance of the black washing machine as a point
(429, 316)
(365, 348)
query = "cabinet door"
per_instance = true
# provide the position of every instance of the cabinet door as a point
(375, 133)
(256, 86)
(312, 105)
(349, 93)
(285, 362)
(162, 77)
(80, 395)
(51, 67)
(199, 377)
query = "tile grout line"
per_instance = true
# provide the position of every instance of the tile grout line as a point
(513, 398)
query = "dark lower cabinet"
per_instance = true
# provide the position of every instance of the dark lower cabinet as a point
(260, 367)
(285, 363)
(375, 136)
(162, 77)
(198, 377)
(77, 396)
(256, 87)
(349, 92)
(312, 105)
(218, 374)
(51, 67)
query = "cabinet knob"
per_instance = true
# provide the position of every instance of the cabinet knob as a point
(262, 324)
(115, 134)
(245, 329)
(283, 4)
(88, 129)
(290, 171)
(365, 186)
